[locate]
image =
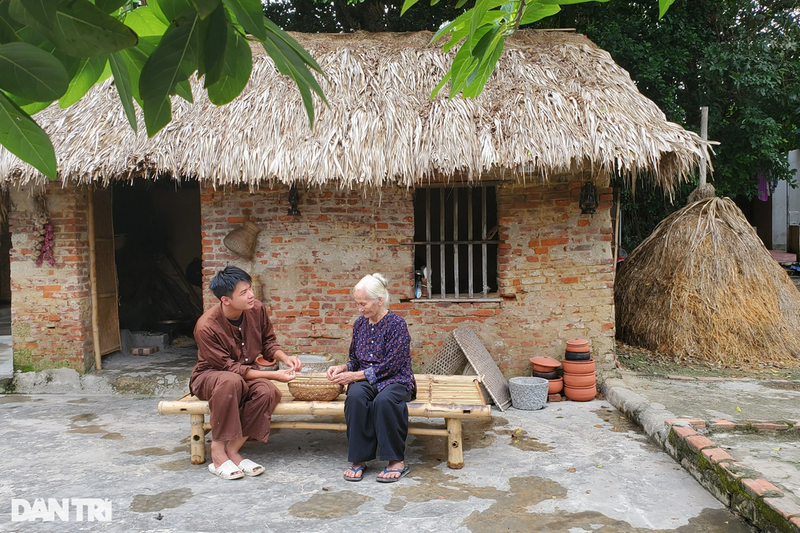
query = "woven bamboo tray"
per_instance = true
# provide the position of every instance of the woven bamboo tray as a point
(314, 390)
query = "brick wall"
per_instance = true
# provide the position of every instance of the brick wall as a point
(51, 306)
(556, 270)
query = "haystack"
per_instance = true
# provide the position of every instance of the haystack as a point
(703, 286)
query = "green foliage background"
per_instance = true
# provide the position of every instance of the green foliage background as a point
(738, 57)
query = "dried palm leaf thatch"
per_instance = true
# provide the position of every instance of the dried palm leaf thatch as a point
(556, 105)
(703, 286)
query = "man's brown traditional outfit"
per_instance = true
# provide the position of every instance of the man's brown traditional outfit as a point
(225, 353)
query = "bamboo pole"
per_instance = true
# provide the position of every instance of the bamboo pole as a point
(98, 360)
(704, 136)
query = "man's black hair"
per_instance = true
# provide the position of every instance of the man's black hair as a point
(226, 280)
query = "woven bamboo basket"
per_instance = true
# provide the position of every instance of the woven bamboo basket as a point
(314, 391)
(242, 240)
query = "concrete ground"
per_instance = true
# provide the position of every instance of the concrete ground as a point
(570, 467)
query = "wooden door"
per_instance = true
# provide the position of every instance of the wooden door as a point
(105, 310)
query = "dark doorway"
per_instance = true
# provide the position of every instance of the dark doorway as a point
(158, 249)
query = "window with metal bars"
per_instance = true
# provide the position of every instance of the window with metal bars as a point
(455, 242)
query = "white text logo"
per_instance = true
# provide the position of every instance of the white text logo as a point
(88, 509)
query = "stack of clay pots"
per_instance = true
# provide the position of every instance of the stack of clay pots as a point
(547, 368)
(580, 381)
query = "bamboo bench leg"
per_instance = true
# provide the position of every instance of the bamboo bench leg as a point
(455, 455)
(197, 440)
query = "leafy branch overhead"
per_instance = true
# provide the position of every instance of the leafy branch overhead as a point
(56, 50)
(482, 32)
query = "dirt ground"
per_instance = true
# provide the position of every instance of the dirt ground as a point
(645, 361)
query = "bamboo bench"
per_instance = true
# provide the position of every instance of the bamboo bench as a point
(449, 397)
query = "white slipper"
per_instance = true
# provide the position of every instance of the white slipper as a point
(250, 468)
(227, 470)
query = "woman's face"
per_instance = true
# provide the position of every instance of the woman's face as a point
(369, 308)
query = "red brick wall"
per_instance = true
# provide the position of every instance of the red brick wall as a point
(51, 306)
(556, 270)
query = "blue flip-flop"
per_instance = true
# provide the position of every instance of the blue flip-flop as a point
(386, 470)
(355, 470)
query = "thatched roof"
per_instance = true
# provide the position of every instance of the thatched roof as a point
(703, 286)
(556, 104)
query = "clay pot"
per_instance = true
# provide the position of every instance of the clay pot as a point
(580, 380)
(545, 375)
(263, 364)
(578, 345)
(577, 356)
(544, 364)
(555, 386)
(580, 394)
(579, 367)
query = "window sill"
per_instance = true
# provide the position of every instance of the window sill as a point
(456, 300)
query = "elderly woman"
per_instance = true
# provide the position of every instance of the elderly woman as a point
(380, 382)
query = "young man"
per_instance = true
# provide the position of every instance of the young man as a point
(229, 337)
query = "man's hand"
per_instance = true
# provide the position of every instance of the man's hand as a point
(294, 363)
(284, 376)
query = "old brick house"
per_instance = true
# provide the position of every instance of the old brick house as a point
(485, 192)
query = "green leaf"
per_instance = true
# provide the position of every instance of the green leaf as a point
(212, 49)
(184, 90)
(123, 84)
(205, 7)
(294, 45)
(172, 62)
(408, 4)
(173, 9)
(7, 32)
(535, 12)
(155, 6)
(43, 11)
(250, 14)
(236, 70)
(663, 6)
(80, 28)
(565, 2)
(135, 59)
(31, 73)
(145, 22)
(476, 19)
(292, 64)
(477, 80)
(109, 6)
(35, 107)
(25, 139)
(88, 73)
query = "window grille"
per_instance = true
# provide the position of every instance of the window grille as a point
(455, 241)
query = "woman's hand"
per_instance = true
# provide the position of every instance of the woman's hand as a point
(346, 378)
(334, 371)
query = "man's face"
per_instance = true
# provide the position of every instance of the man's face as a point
(242, 297)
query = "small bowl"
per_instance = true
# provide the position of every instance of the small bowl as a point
(555, 386)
